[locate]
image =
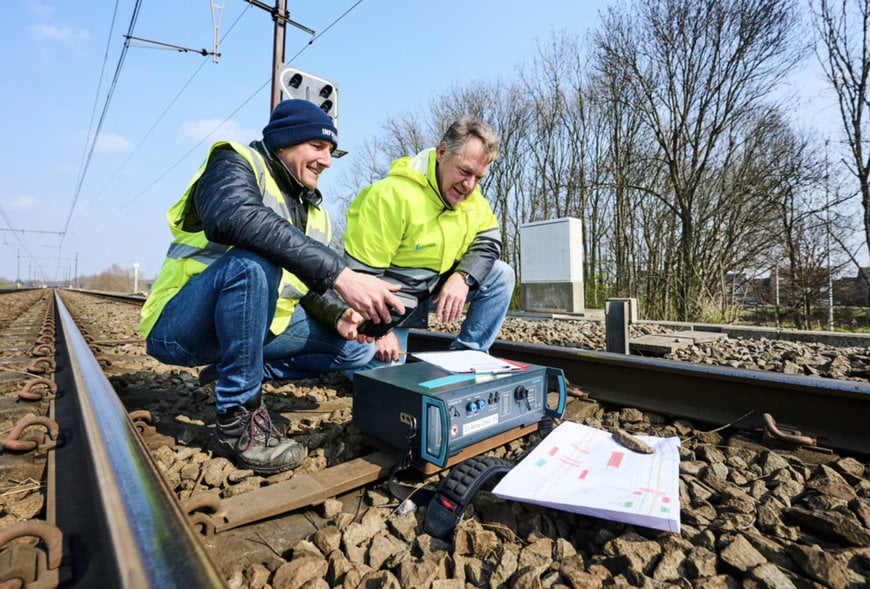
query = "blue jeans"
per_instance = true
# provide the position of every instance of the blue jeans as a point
(222, 316)
(488, 306)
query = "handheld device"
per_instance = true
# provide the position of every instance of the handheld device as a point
(377, 330)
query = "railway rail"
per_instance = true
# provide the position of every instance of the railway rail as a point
(148, 506)
(110, 518)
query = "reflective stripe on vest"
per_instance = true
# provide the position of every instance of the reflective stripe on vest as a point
(206, 255)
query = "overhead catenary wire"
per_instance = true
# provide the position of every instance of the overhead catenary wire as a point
(158, 121)
(96, 133)
(168, 46)
(225, 120)
(15, 234)
(99, 86)
(86, 154)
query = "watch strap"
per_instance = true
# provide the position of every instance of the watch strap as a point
(469, 279)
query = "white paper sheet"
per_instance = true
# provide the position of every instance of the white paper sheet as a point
(581, 469)
(471, 361)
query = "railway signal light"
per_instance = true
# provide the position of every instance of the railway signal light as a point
(324, 93)
(295, 80)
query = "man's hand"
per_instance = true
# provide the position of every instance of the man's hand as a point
(451, 299)
(369, 295)
(348, 324)
(387, 348)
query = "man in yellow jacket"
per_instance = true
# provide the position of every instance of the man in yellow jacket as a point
(428, 228)
(249, 243)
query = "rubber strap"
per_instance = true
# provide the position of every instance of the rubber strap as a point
(457, 490)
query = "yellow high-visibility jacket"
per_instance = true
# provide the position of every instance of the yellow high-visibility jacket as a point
(401, 228)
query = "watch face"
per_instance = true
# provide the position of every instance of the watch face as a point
(469, 280)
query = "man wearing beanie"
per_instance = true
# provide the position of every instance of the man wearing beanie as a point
(250, 289)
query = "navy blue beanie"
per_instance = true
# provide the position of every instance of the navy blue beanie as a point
(297, 121)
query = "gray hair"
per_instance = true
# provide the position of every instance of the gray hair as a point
(466, 127)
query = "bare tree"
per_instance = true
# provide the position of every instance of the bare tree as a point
(509, 115)
(773, 193)
(625, 176)
(553, 83)
(567, 151)
(665, 144)
(844, 31)
(114, 279)
(696, 67)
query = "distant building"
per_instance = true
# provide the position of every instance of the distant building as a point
(852, 291)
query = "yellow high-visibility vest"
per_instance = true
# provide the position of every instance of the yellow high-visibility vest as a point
(191, 252)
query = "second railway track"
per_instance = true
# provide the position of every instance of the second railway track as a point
(758, 510)
(832, 412)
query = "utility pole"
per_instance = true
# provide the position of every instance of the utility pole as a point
(776, 270)
(828, 241)
(281, 18)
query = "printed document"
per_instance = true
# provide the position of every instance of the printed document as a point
(581, 469)
(469, 361)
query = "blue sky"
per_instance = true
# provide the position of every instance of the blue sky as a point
(386, 57)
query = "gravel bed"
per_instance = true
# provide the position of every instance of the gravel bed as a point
(752, 515)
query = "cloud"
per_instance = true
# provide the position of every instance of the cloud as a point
(23, 202)
(62, 34)
(39, 8)
(112, 142)
(217, 129)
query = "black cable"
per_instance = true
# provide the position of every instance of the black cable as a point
(157, 122)
(90, 151)
(225, 120)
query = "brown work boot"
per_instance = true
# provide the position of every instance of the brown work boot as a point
(248, 438)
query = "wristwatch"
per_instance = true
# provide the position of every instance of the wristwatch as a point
(469, 279)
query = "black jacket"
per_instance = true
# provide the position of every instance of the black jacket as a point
(230, 210)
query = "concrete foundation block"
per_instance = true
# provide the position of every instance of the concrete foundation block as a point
(564, 297)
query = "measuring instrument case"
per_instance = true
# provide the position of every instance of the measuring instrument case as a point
(435, 413)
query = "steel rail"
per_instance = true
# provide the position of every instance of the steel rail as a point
(126, 529)
(835, 412)
(133, 299)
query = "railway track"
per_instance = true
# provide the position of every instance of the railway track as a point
(110, 519)
(333, 522)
